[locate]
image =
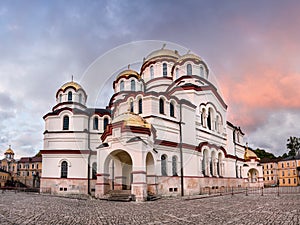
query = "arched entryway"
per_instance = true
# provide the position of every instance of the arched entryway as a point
(252, 175)
(118, 167)
(150, 173)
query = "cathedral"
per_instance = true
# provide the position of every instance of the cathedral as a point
(163, 132)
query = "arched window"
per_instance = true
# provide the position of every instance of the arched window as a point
(96, 123)
(189, 69)
(132, 85)
(105, 123)
(217, 124)
(209, 119)
(66, 123)
(177, 73)
(204, 161)
(151, 72)
(94, 170)
(80, 98)
(140, 106)
(164, 165)
(70, 96)
(60, 98)
(172, 109)
(165, 70)
(122, 85)
(174, 166)
(161, 106)
(201, 71)
(131, 106)
(64, 169)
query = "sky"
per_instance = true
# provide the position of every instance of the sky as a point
(251, 47)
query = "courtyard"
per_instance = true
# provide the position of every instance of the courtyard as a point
(33, 208)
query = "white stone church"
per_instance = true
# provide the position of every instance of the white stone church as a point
(164, 132)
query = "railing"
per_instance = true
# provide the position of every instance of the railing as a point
(219, 191)
(19, 189)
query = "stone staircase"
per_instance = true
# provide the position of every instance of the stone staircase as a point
(121, 196)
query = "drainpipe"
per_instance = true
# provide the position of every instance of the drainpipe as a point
(89, 157)
(180, 148)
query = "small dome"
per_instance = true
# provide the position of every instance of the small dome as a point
(189, 56)
(131, 119)
(250, 155)
(162, 52)
(72, 84)
(127, 73)
(9, 151)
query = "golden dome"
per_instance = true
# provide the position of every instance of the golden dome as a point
(73, 84)
(131, 119)
(162, 52)
(189, 56)
(129, 72)
(9, 151)
(250, 155)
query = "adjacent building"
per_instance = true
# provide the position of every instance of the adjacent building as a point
(25, 172)
(289, 171)
(270, 172)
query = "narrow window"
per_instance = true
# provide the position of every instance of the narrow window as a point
(164, 165)
(105, 123)
(174, 166)
(189, 69)
(140, 106)
(161, 106)
(132, 84)
(64, 170)
(60, 98)
(66, 123)
(96, 123)
(171, 109)
(94, 170)
(70, 96)
(165, 70)
(131, 106)
(177, 73)
(151, 72)
(201, 71)
(80, 98)
(122, 85)
(209, 120)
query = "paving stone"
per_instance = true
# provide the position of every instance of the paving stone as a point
(23, 208)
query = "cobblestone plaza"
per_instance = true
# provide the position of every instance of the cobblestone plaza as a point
(29, 208)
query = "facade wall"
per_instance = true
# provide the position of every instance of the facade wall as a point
(287, 173)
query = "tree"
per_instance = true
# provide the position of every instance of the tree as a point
(261, 153)
(293, 145)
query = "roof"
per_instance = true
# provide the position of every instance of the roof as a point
(30, 159)
(73, 84)
(127, 73)
(250, 155)
(131, 119)
(268, 160)
(9, 151)
(162, 52)
(291, 158)
(190, 56)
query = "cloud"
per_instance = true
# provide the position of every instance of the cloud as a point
(278, 127)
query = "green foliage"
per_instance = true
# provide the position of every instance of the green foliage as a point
(293, 144)
(261, 153)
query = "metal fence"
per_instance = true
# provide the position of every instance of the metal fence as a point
(215, 191)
